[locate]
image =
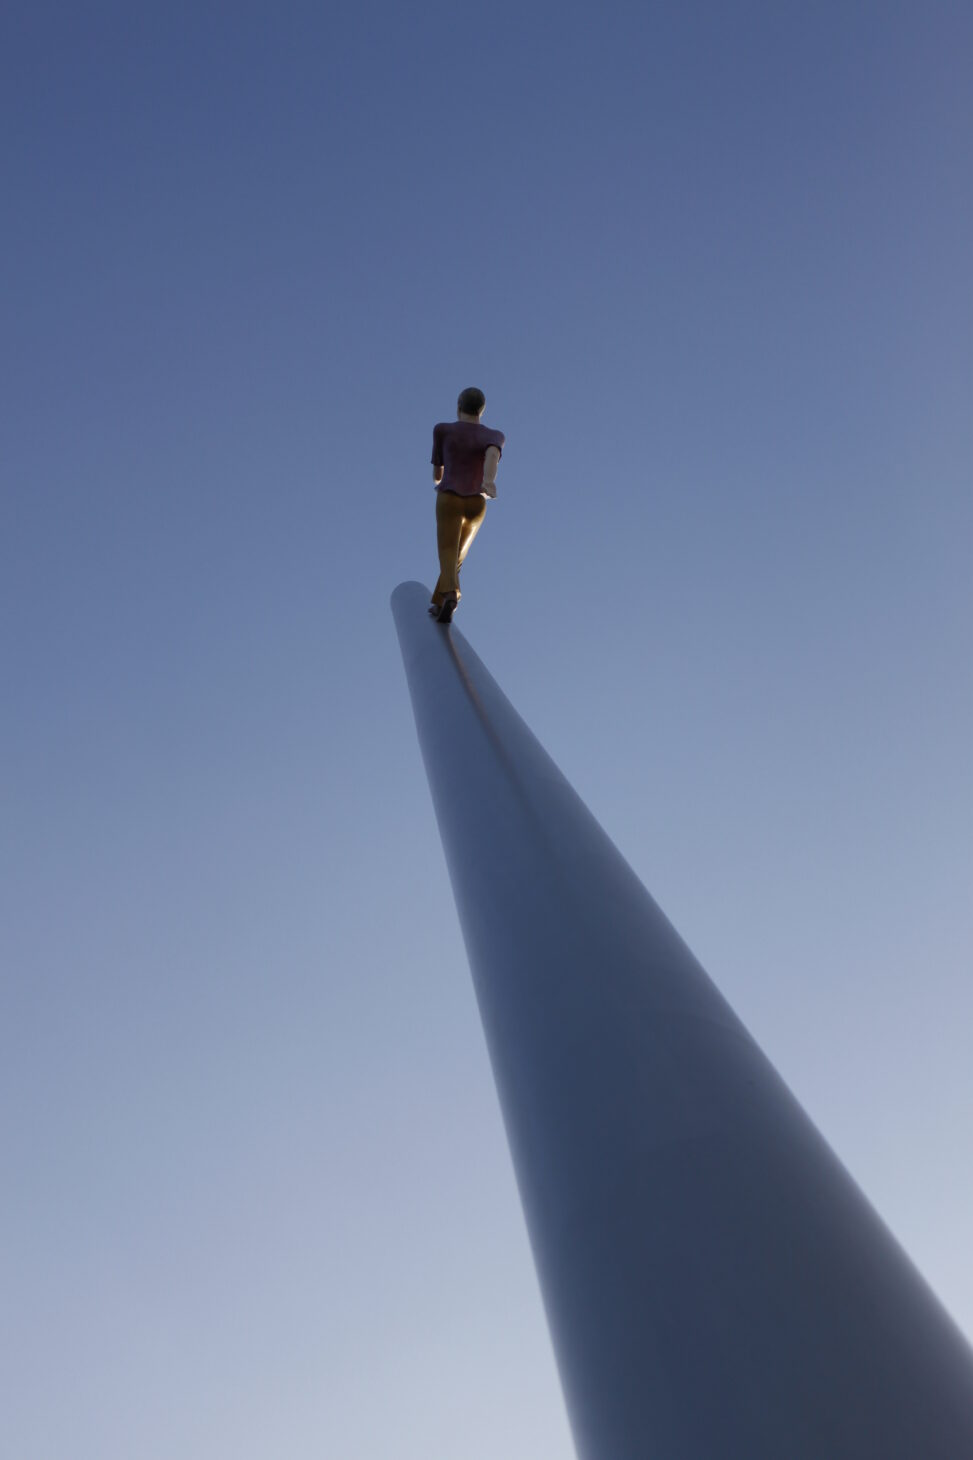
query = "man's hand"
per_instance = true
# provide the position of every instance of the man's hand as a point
(437, 474)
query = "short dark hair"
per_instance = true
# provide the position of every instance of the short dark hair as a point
(471, 401)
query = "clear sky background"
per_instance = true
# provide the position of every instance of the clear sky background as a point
(711, 265)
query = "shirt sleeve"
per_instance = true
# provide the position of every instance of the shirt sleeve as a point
(437, 445)
(499, 441)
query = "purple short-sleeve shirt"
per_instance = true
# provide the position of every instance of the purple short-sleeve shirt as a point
(460, 447)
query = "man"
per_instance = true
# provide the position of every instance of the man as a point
(464, 469)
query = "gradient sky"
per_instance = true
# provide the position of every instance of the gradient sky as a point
(710, 263)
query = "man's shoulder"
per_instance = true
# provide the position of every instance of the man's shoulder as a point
(473, 431)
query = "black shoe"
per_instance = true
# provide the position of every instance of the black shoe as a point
(445, 614)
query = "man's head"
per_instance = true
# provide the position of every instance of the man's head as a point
(471, 403)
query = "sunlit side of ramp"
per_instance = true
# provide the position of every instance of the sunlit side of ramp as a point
(716, 1285)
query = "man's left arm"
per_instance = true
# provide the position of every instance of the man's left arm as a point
(437, 454)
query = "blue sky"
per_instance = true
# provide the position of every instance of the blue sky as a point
(710, 264)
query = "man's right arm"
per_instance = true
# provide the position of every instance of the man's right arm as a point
(491, 461)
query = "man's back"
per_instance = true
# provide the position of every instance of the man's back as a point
(459, 447)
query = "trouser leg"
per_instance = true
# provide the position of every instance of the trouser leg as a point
(449, 526)
(472, 522)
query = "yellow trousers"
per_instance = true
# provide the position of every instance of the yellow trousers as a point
(458, 520)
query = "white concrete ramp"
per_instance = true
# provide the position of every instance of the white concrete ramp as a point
(717, 1286)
